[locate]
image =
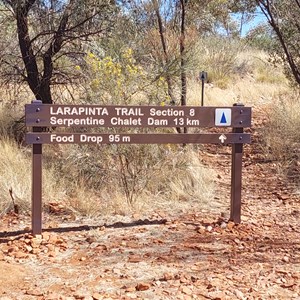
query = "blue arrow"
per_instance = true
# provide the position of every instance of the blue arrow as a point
(223, 119)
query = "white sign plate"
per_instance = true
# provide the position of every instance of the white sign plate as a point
(223, 117)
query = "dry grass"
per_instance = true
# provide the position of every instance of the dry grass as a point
(246, 90)
(132, 178)
(252, 80)
(218, 57)
(15, 174)
(282, 136)
(283, 128)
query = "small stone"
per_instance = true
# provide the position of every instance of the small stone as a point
(20, 254)
(34, 292)
(59, 241)
(216, 295)
(239, 294)
(97, 296)
(28, 248)
(244, 218)
(51, 296)
(286, 259)
(134, 259)
(136, 216)
(168, 276)
(268, 224)
(186, 290)
(237, 241)
(91, 239)
(223, 225)
(36, 251)
(51, 253)
(117, 271)
(46, 236)
(51, 247)
(230, 225)
(131, 296)
(80, 296)
(278, 281)
(35, 243)
(142, 286)
(129, 289)
(201, 229)
(157, 283)
(52, 239)
(209, 228)
(12, 249)
(284, 197)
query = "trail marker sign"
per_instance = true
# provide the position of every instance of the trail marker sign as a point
(223, 117)
(39, 116)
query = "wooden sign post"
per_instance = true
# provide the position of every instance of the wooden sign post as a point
(40, 116)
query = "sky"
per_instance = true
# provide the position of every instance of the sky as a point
(258, 19)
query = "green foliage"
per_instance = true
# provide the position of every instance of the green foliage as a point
(121, 80)
(261, 38)
(49, 37)
(117, 79)
(283, 17)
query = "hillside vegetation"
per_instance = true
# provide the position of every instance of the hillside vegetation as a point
(113, 179)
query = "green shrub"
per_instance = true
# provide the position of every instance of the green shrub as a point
(120, 79)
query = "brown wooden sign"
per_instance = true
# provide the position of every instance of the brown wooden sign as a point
(147, 138)
(135, 116)
(38, 116)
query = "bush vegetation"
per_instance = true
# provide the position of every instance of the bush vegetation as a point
(120, 179)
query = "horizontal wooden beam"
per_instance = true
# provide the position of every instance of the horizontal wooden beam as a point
(45, 115)
(146, 138)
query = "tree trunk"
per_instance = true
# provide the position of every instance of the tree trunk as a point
(165, 51)
(39, 85)
(29, 59)
(267, 11)
(182, 58)
(44, 93)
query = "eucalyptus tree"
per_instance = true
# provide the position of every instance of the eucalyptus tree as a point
(170, 29)
(161, 26)
(284, 18)
(51, 35)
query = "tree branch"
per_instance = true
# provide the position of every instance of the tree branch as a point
(267, 10)
(164, 47)
(28, 56)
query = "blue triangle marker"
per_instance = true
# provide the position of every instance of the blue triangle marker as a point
(223, 119)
